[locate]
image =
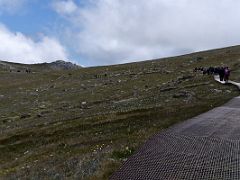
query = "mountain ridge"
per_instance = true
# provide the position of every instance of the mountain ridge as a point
(227, 49)
(55, 65)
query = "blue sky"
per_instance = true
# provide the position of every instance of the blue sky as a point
(103, 32)
(34, 17)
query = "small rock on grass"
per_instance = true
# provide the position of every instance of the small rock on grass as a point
(217, 90)
(24, 116)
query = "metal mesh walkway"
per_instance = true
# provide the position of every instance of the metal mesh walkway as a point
(204, 147)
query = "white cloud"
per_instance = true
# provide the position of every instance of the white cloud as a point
(116, 31)
(64, 7)
(10, 6)
(19, 48)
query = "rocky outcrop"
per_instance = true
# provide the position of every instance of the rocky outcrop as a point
(63, 65)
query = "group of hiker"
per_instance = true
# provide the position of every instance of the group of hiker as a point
(27, 71)
(223, 72)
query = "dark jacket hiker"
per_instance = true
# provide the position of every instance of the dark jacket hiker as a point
(221, 73)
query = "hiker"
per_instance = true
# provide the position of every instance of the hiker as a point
(221, 73)
(212, 70)
(226, 74)
(216, 70)
(208, 71)
(28, 70)
(205, 71)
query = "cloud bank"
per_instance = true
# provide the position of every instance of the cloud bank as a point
(64, 7)
(20, 48)
(119, 31)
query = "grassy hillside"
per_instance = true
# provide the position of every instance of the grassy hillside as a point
(84, 123)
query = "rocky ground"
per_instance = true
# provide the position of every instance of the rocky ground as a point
(83, 123)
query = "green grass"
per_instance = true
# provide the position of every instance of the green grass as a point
(122, 154)
(84, 123)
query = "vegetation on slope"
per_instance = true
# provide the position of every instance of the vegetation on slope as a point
(82, 124)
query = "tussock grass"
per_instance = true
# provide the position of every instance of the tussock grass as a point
(82, 124)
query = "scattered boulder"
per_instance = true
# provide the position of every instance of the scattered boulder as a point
(24, 116)
(184, 94)
(39, 115)
(84, 103)
(217, 90)
(167, 89)
(43, 106)
(199, 58)
(168, 72)
(186, 77)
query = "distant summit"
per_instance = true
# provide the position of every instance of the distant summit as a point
(62, 65)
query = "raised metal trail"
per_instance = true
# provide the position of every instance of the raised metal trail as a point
(229, 82)
(204, 147)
